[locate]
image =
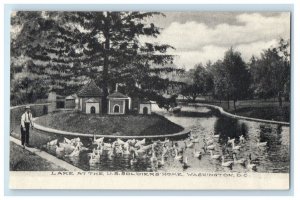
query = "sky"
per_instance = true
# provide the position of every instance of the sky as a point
(202, 36)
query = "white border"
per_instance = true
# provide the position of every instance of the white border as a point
(296, 74)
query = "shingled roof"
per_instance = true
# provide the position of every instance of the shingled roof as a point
(117, 95)
(90, 90)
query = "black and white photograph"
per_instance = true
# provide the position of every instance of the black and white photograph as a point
(160, 96)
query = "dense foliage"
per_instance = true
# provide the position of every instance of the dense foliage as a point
(58, 51)
(233, 79)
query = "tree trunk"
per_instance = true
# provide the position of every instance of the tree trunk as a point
(228, 103)
(105, 65)
(234, 101)
(279, 99)
(194, 98)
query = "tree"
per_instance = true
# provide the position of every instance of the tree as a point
(43, 49)
(70, 47)
(271, 72)
(220, 81)
(115, 36)
(232, 77)
(200, 82)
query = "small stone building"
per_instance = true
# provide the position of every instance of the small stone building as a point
(92, 106)
(145, 108)
(56, 101)
(70, 101)
(90, 98)
(118, 103)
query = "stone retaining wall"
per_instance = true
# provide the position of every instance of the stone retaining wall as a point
(38, 110)
(221, 110)
(17, 111)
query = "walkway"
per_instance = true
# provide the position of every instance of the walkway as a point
(47, 156)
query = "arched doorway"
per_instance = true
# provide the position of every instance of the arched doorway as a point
(145, 110)
(93, 110)
(116, 109)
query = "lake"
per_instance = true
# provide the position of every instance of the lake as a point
(205, 124)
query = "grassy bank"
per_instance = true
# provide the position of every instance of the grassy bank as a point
(268, 110)
(23, 160)
(106, 125)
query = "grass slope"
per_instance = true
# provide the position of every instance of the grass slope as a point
(23, 160)
(108, 124)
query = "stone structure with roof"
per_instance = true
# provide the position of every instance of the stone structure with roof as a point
(90, 98)
(145, 107)
(71, 102)
(118, 103)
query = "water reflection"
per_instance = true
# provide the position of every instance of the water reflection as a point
(205, 126)
(229, 127)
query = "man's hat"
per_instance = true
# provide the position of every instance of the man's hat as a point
(27, 107)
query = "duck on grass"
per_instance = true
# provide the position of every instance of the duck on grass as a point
(130, 125)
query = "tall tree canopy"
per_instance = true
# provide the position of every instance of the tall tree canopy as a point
(69, 47)
(199, 82)
(271, 72)
(232, 77)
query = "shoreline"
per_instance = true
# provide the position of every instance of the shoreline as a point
(228, 114)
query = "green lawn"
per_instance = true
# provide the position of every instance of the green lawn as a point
(108, 124)
(23, 160)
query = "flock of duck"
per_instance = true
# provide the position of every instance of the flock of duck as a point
(156, 152)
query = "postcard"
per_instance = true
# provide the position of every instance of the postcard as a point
(150, 100)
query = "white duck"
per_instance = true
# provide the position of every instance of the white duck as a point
(241, 161)
(165, 150)
(67, 141)
(120, 142)
(133, 161)
(185, 164)
(131, 142)
(93, 159)
(165, 141)
(110, 154)
(75, 152)
(75, 140)
(226, 164)
(197, 154)
(189, 145)
(196, 140)
(119, 150)
(214, 156)
(210, 147)
(106, 145)
(161, 162)
(262, 144)
(234, 147)
(126, 151)
(229, 141)
(59, 150)
(242, 139)
(147, 147)
(177, 156)
(153, 158)
(97, 152)
(140, 143)
(98, 141)
(52, 143)
(251, 166)
(209, 141)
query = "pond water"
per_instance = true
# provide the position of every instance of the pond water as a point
(204, 124)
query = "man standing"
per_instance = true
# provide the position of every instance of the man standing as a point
(26, 122)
